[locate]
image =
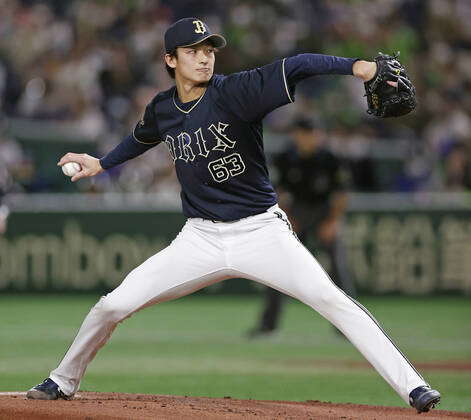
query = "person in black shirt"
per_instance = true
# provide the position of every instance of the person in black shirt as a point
(4, 212)
(311, 187)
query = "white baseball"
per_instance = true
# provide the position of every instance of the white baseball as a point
(71, 168)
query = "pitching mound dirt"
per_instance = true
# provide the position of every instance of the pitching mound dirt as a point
(91, 405)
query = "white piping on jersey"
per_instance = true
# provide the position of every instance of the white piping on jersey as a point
(191, 109)
(284, 78)
(135, 138)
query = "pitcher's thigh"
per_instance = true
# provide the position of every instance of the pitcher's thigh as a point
(286, 265)
(184, 266)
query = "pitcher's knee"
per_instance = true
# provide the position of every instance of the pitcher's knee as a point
(112, 310)
(325, 298)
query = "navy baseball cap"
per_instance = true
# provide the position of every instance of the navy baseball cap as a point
(190, 31)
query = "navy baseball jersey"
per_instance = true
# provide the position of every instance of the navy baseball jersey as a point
(216, 141)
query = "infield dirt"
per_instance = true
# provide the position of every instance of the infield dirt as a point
(92, 405)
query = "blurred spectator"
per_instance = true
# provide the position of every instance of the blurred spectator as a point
(4, 212)
(11, 156)
(457, 168)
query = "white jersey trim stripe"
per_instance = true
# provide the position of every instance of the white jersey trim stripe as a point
(191, 109)
(286, 83)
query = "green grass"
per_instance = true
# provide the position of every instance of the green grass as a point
(196, 346)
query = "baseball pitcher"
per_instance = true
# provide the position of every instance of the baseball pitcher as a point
(212, 127)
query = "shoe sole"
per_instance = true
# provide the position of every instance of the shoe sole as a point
(35, 394)
(432, 404)
(435, 399)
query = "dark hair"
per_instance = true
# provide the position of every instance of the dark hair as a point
(303, 123)
(170, 70)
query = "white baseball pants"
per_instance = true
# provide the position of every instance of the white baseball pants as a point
(261, 248)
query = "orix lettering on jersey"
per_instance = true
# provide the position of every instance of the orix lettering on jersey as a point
(187, 147)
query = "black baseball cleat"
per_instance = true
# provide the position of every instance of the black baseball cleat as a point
(423, 398)
(47, 390)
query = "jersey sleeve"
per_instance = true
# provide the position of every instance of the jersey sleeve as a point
(144, 136)
(252, 94)
(302, 66)
(147, 130)
(128, 149)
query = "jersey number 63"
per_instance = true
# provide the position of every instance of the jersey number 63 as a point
(224, 168)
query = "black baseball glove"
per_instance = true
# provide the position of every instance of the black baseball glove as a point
(385, 100)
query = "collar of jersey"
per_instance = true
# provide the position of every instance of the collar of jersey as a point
(193, 106)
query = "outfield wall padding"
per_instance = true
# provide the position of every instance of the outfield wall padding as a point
(410, 250)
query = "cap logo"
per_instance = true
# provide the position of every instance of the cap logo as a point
(200, 28)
